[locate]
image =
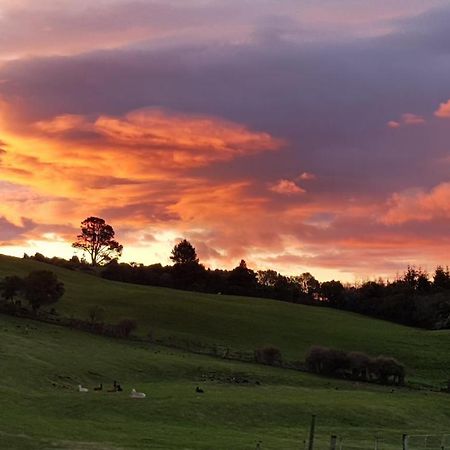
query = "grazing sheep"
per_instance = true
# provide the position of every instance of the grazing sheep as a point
(135, 394)
(99, 388)
(199, 391)
(82, 389)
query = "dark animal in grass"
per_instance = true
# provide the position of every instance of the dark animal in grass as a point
(114, 389)
(99, 387)
(119, 388)
(199, 391)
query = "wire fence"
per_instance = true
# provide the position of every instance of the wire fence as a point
(379, 441)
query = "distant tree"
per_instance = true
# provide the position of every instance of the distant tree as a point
(97, 240)
(333, 292)
(10, 287)
(308, 284)
(242, 280)
(184, 253)
(267, 277)
(441, 278)
(42, 287)
(416, 279)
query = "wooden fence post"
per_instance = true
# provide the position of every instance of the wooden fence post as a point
(312, 431)
(333, 442)
(405, 442)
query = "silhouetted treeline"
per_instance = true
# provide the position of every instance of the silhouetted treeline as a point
(414, 299)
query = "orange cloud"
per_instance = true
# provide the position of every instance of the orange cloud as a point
(418, 205)
(134, 168)
(443, 112)
(61, 124)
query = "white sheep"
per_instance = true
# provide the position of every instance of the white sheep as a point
(82, 389)
(135, 394)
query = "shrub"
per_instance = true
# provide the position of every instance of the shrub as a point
(125, 327)
(315, 358)
(268, 355)
(355, 365)
(387, 370)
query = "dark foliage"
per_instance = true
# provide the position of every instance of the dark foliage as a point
(355, 366)
(268, 355)
(97, 240)
(414, 299)
(184, 253)
(11, 287)
(42, 287)
(125, 327)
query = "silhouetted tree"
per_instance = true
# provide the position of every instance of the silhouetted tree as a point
(11, 286)
(97, 239)
(184, 253)
(416, 279)
(42, 287)
(267, 278)
(308, 284)
(242, 280)
(441, 278)
(333, 292)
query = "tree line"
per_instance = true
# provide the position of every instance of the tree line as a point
(415, 298)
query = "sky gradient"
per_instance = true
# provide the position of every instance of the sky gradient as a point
(298, 135)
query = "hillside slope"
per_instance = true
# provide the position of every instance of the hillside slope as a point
(247, 323)
(41, 365)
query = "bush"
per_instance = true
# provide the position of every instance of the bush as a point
(387, 370)
(355, 365)
(125, 327)
(268, 355)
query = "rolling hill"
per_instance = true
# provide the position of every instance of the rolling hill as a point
(247, 323)
(41, 366)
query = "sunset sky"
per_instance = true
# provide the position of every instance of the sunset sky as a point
(298, 135)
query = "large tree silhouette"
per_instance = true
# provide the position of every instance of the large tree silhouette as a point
(97, 240)
(184, 253)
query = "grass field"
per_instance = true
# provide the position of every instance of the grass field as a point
(247, 323)
(41, 365)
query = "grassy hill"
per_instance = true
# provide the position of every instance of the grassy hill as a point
(41, 365)
(247, 323)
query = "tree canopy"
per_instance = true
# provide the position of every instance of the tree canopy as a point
(42, 287)
(97, 240)
(184, 253)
